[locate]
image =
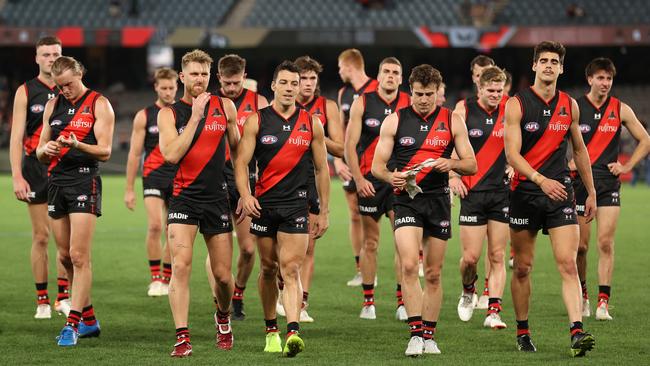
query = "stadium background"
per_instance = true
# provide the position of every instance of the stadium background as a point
(120, 42)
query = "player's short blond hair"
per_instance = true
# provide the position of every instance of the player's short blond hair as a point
(492, 74)
(197, 56)
(353, 57)
(165, 73)
(64, 63)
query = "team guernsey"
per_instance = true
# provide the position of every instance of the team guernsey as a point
(157, 176)
(375, 110)
(601, 132)
(246, 104)
(35, 172)
(349, 94)
(544, 139)
(74, 182)
(487, 197)
(199, 194)
(317, 107)
(417, 139)
(283, 159)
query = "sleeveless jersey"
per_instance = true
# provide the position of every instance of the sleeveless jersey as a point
(419, 138)
(246, 104)
(601, 130)
(38, 94)
(375, 110)
(485, 130)
(154, 165)
(72, 166)
(282, 156)
(200, 171)
(317, 107)
(349, 95)
(544, 137)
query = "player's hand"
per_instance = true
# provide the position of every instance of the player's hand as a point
(129, 199)
(342, 170)
(554, 189)
(249, 207)
(319, 225)
(590, 207)
(21, 189)
(457, 186)
(198, 105)
(442, 165)
(52, 149)
(398, 179)
(70, 141)
(510, 172)
(618, 168)
(365, 188)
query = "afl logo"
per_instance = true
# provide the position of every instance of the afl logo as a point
(567, 210)
(153, 129)
(37, 108)
(444, 223)
(268, 139)
(180, 130)
(371, 122)
(475, 132)
(406, 141)
(56, 122)
(531, 126)
(585, 128)
(301, 219)
(82, 198)
(225, 217)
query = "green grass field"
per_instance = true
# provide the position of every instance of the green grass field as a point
(138, 330)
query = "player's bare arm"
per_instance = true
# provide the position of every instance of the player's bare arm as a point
(172, 145)
(19, 119)
(352, 136)
(232, 130)
(47, 149)
(103, 129)
(321, 172)
(334, 140)
(135, 152)
(465, 164)
(248, 205)
(582, 162)
(632, 123)
(383, 153)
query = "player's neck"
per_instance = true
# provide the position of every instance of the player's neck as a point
(359, 79)
(285, 111)
(545, 90)
(597, 99)
(305, 99)
(46, 79)
(187, 98)
(161, 104)
(387, 95)
(83, 92)
(486, 106)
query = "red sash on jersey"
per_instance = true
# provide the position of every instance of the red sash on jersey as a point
(80, 115)
(202, 151)
(30, 143)
(286, 158)
(422, 154)
(550, 141)
(600, 140)
(247, 107)
(489, 152)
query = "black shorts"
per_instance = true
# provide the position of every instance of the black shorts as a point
(211, 217)
(84, 197)
(312, 198)
(233, 194)
(534, 211)
(292, 220)
(349, 186)
(430, 211)
(35, 173)
(608, 193)
(380, 204)
(479, 207)
(158, 187)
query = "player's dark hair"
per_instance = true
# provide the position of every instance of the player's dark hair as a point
(285, 65)
(549, 46)
(306, 63)
(425, 75)
(390, 60)
(598, 64)
(481, 60)
(48, 41)
(230, 65)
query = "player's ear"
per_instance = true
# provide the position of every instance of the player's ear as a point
(181, 77)
(273, 85)
(561, 68)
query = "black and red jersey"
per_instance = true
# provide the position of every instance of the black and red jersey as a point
(283, 159)
(317, 107)
(601, 131)
(38, 94)
(485, 130)
(154, 165)
(199, 176)
(349, 94)
(246, 104)
(419, 138)
(375, 110)
(544, 137)
(72, 166)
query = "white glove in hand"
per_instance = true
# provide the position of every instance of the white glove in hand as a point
(412, 187)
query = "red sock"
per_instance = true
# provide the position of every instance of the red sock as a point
(41, 294)
(74, 317)
(64, 290)
(167, 272)
(238, 293)
(88, 315)
(368, 294)
(154, 268)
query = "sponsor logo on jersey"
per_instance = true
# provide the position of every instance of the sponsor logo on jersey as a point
(436, 141)
(567, 210)
(86, 110)
(372, 122)
(224, 217)
(580, 208)
(153, 129)
(50, 96)
(259, 228)
(563, 112)
(531, 126)
(152, 192)
(585, 128)
(441, 127)
(498, 133)
(299, 141)
(612, 115)
(177, 216)
(302, 194)
(345, 107)
(50, 208)
(547, 112)
(180, 130)
(405, 220)
(368, 209)
(597, 116)
(301, 219)
(489, 121)
(303, 128)
(518, 221)
(71, 111)
(56, 122)
(82, 198)
(84, 170)
(424, 128)
(475, 132)
(268, 139)
(36, 108)
(214, 126)
(558, 126)
(286, 128)
(406, 141)
(444, 223)
(79, 123)
(465, 218)
(607, 128)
